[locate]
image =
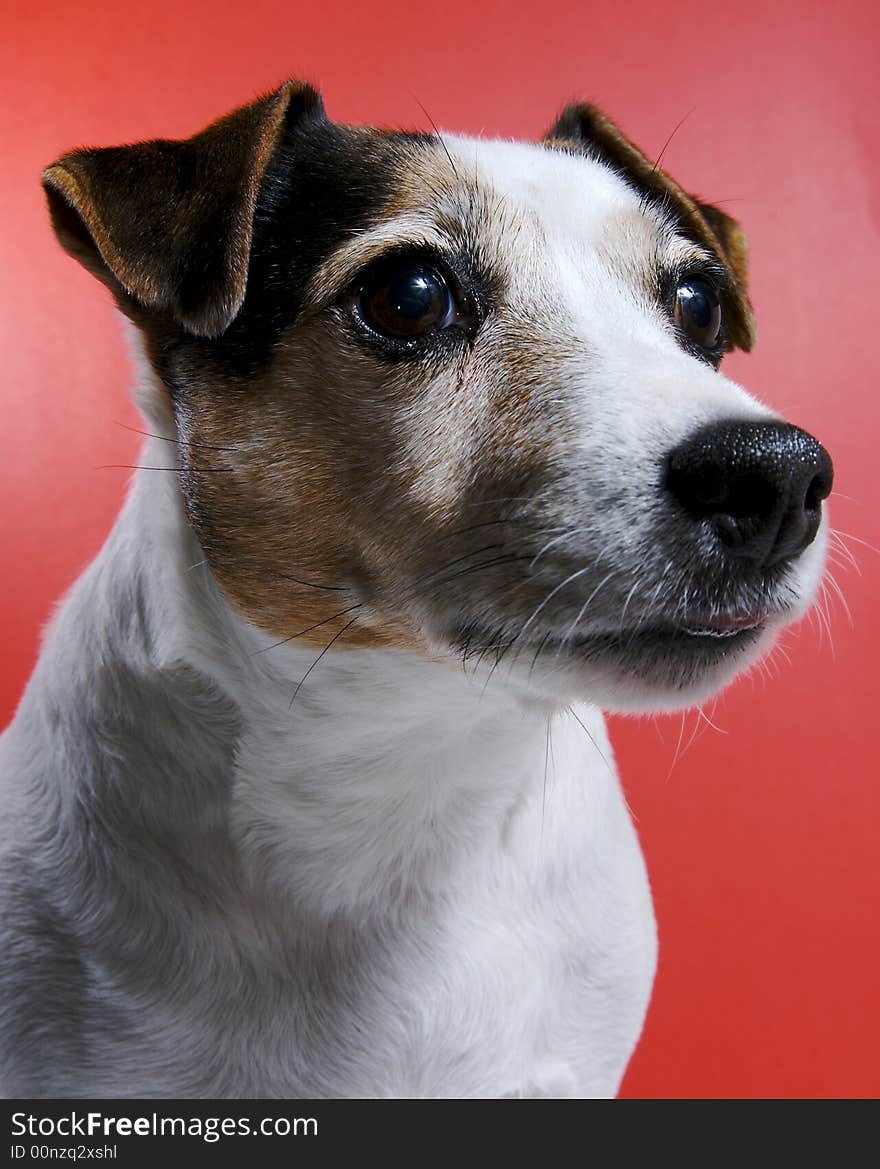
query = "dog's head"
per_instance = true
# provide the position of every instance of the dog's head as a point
(464, 394)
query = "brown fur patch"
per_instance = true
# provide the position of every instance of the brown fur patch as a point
(287, 515)
(351, 478)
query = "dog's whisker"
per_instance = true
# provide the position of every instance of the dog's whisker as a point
(303, 632)
(652, 600)
(475, 527)
(822, 611)
(583, 609)
(205, 446)
(824, 608)
(429, 576)
(832, 582)
(495, 562)
(136, 467)
(311, 585)
(568, 580)
(438, 134)
(858, 540)
(783, 652)
(513, 521)
(840, 545)
(702, 714)
(566, 534)
(696, 733)
(823, 625)
(501, 652)
(818, 624)
(678, 744)
(499, 647)
(336, 636)
(843, 564)
(592, 739)
(541, 645)
(675, 129)
(499, 500)
(629, 597)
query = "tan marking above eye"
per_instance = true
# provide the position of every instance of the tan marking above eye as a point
(340, 269)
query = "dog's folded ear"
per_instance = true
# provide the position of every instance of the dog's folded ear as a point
(169, 223)
(590, 130)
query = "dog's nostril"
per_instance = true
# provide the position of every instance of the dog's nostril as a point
(731, 533)
(819, 489)
(752, 494)
(707, 486)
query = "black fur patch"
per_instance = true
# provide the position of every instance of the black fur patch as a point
(326, 183)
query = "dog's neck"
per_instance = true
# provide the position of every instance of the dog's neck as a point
(385, 772)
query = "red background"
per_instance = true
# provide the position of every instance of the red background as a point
(762, 842)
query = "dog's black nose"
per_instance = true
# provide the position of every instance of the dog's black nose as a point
(759, 484)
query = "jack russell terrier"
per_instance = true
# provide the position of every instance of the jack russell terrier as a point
(310, 793)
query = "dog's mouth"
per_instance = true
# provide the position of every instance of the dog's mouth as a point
(709, 637)
(643, 649)
(639, 649)
(729, 627)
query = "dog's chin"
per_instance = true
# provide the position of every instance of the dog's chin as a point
(650, 670)
(640, 670)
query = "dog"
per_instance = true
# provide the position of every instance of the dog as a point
(310, 793)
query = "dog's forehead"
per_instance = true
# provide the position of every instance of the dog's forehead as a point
(507, 190)
(566, 212)
(528, 209)
(559, 192)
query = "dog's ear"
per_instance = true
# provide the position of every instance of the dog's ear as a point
(169, 223)
(590, 130)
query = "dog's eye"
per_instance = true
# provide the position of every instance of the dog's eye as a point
(698, 312)
(406, 299)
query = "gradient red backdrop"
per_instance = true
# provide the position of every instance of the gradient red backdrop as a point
(762, 836)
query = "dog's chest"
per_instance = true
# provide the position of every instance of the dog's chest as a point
(533, 991)
(530, 977)
(519, 962)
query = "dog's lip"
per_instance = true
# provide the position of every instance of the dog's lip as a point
(704, 634)
(724, 626)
